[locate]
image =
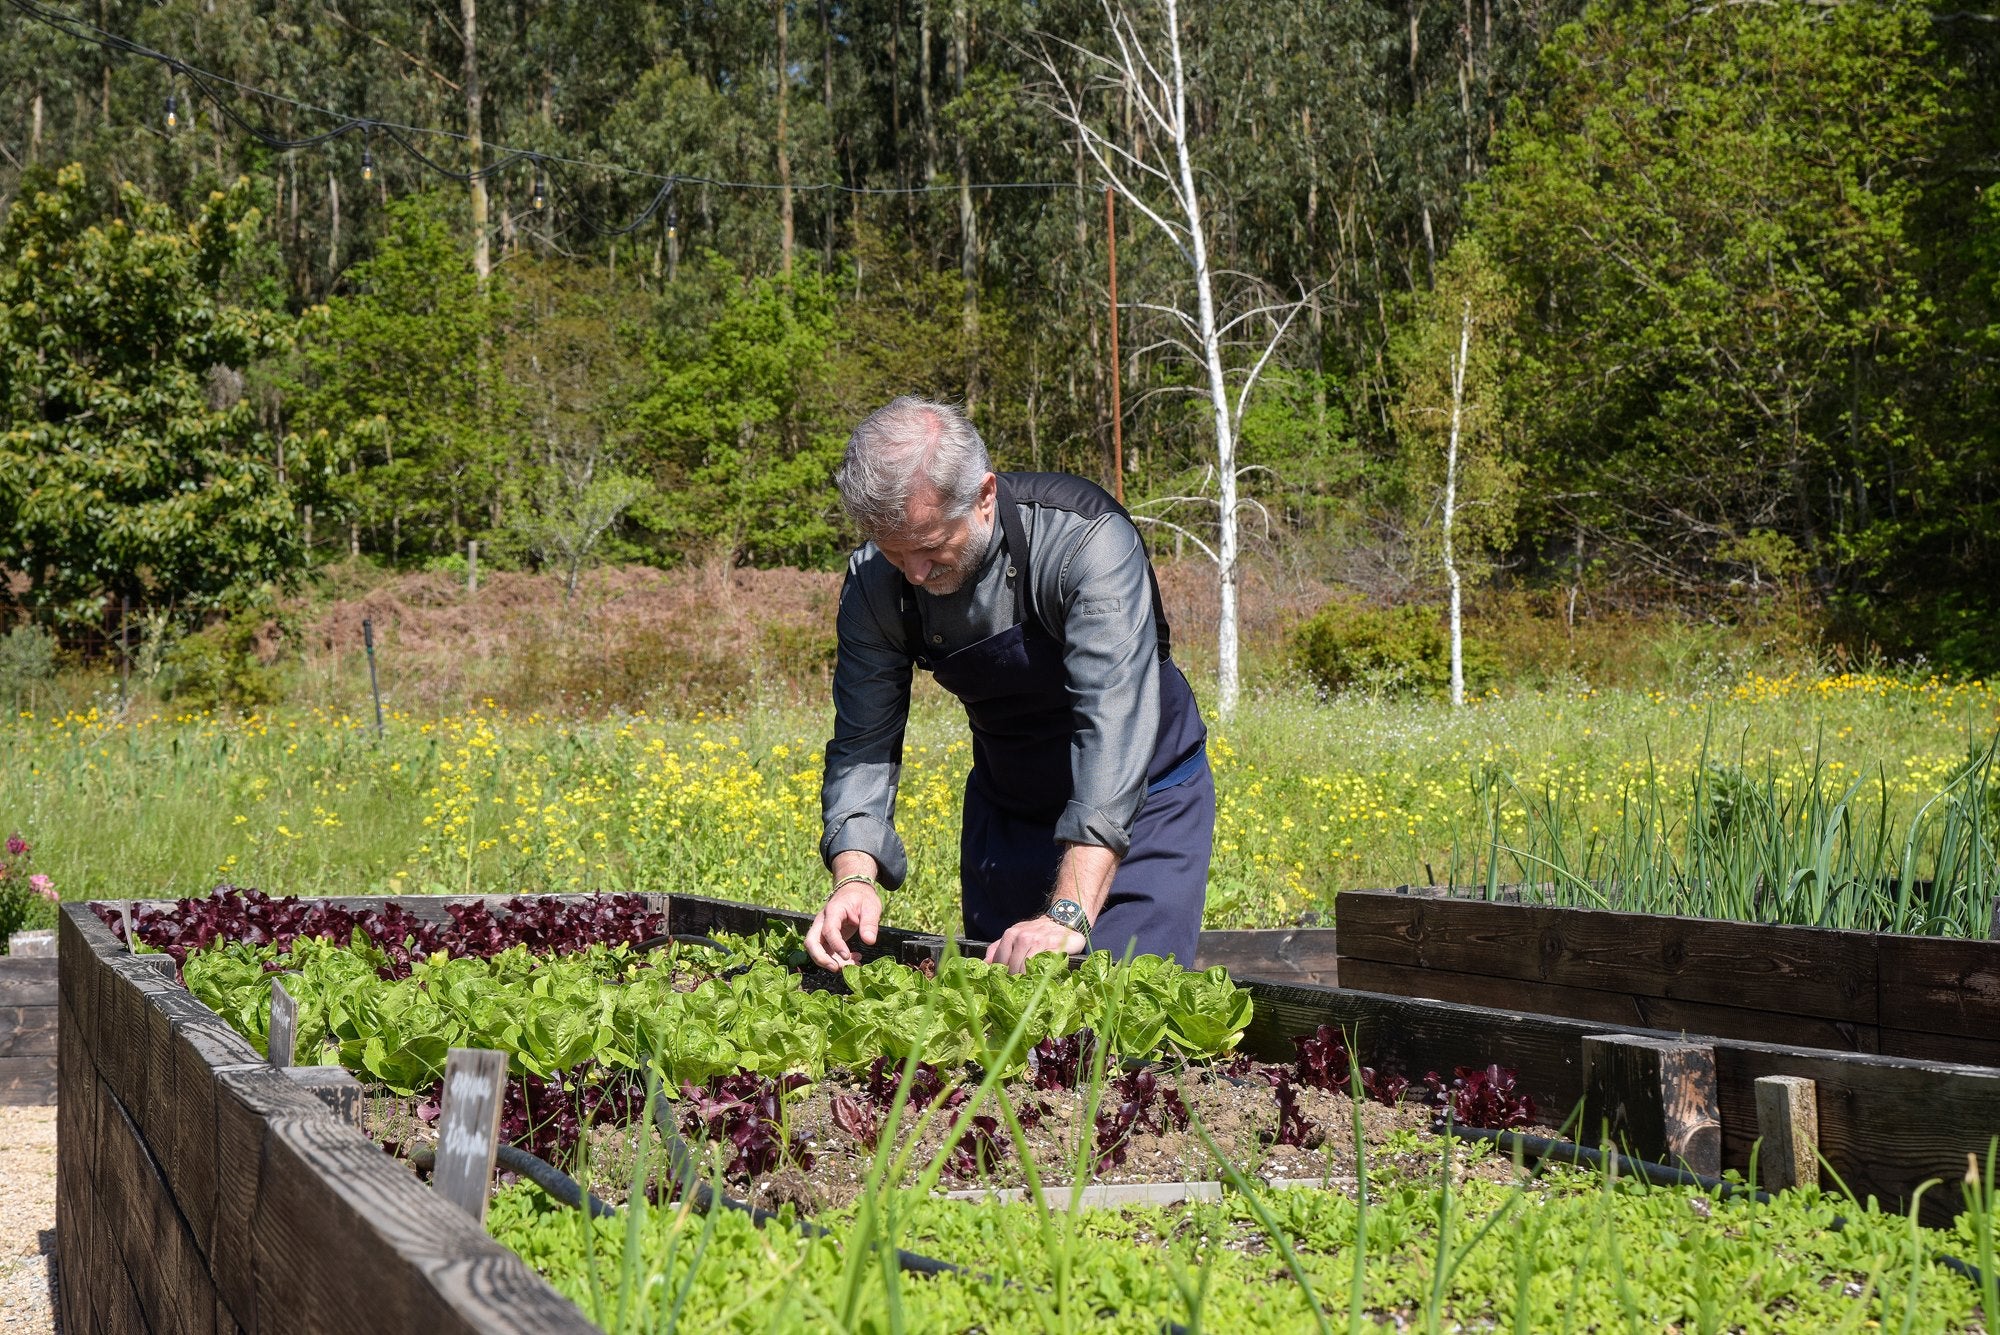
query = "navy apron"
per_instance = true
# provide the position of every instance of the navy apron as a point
(1015, 691)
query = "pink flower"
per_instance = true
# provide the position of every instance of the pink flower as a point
(43, 886)
(16, 846)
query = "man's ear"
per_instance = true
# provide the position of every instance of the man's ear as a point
(988, 490)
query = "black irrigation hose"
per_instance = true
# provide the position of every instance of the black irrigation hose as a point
(553, 1180)
(1544, 1149)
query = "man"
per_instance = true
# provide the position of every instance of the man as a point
(1090, 809)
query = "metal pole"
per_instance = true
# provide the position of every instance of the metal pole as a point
(374, 687)
(1117, 411)
(124, 651)
(472, 566)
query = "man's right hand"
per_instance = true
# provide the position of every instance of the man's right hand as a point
(855, 907)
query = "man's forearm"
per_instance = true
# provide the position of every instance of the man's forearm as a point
(854, 862)
(1085, 875)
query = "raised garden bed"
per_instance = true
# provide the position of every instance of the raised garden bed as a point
(202, 1184)
(1904, 996)
(28, 1019)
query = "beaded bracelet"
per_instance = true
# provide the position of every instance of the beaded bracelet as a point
(856, 876)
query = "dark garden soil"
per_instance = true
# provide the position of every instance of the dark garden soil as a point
(825, 1166)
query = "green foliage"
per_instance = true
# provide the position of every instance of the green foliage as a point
(737, 413)
(128, 463)
(398, 381)
(1348, 645)
(608, 1006)
(1723, 284)
(221, 665)
(1472, 308)
(27, 659)
(1565, 1252)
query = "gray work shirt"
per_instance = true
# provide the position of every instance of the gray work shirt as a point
(1089, 584)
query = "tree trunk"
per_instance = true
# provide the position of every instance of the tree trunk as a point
(785, 234)
(475, 148)
(333, 230)
(924, 90)
(1228, 676)
(1451, 503)
(968, 221)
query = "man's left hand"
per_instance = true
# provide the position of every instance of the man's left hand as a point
(1035, 936)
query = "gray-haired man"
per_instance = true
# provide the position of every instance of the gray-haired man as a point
(1090, 810)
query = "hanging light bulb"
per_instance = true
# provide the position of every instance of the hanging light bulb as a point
(673, 219)
(541, 192)
(367, 164)
(173, 113)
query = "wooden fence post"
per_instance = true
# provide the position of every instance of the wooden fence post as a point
(1655, 1096)
(1788, 1124)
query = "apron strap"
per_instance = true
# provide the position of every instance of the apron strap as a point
(1017, 545)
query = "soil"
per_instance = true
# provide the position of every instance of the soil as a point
(1240, 1113)
(28, 1227)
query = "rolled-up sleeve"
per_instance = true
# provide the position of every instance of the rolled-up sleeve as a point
(864, 760)
(1113, 669)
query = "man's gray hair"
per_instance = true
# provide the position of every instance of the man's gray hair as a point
(911, 442)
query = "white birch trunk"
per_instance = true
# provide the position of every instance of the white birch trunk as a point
(1451, 504)
(1228, 677)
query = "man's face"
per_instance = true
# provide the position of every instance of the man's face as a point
(936, 554)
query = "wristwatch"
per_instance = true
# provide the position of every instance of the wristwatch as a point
(1071, 915)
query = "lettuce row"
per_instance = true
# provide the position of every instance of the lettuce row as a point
(608, 1006)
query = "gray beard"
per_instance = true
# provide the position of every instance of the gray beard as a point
(955, 579)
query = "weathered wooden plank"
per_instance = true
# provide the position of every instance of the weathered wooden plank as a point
(1885, 1124)
(28, 1031)
(1955, 1048)
(27, 980)
(1624, 1009)
(1655, 1097)
(333, 1086)
(248, 1099)
(28, 1081)
(1411, 1036)
(188, 1045)
(1938, 986)
(699, 915)
(159, 1251)
(76, 1133)
(332, 1208)
(1788, 1126)
(1288, 955)
(1791, 970)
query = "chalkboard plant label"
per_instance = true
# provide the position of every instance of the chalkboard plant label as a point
(469, 1127)
(284, 1034)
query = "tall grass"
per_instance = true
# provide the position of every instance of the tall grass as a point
(1730, 840)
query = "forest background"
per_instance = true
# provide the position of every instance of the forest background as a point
(1734, 271)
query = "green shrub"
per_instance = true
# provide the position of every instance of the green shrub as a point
(1388, 650)
(27, 659)
(220, 665)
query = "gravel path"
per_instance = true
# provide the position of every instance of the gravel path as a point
(28, 1223)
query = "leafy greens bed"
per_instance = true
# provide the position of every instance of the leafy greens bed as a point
(609, 1006)
(562, 984)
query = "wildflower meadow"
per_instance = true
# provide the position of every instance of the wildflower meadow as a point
(1315, 796)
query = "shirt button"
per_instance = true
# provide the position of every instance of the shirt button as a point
(937, 639)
